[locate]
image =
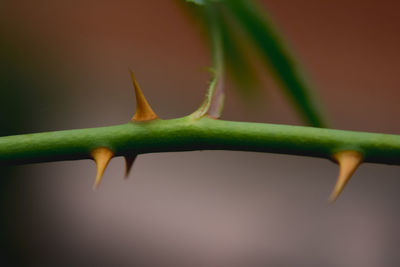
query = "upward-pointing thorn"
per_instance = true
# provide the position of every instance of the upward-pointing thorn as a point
(144, 112)
(102, 157)
(348, 163)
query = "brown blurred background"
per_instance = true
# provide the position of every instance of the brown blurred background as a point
(195, 208)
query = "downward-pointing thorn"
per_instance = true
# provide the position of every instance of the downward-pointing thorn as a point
(144, 112)
(102, 157)
(129, 160)
(348, 163)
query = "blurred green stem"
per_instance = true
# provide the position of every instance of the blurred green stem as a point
(277, 55)
(187, 134)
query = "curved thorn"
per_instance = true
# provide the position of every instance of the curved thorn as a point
(129, 160)
(102, 157)
(144, 112)
(348, 163)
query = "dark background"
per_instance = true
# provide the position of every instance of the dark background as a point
(68, 68)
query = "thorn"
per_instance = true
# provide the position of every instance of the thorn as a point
(129, 160)
(348, 162)
(144, 112)
(102, 157)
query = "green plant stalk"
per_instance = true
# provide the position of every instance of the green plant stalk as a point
(214, 101)
(188, 134)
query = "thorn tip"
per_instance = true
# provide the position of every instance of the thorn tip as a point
(348, 163)
(102, 157)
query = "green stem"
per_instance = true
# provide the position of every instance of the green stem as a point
(214, 101)
(187, 134)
